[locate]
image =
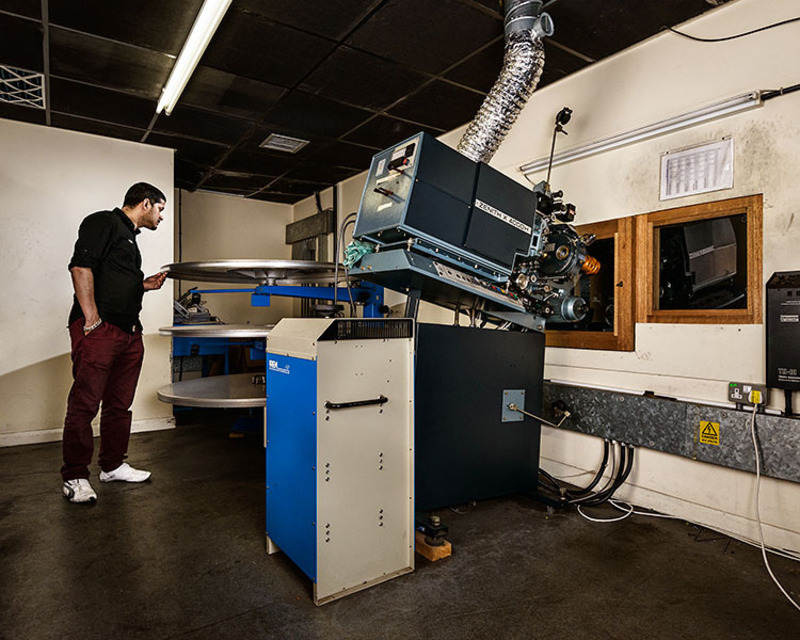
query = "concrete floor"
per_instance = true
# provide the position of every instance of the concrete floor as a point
(183, 557)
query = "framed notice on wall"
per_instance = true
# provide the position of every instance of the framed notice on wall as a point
(700, 169)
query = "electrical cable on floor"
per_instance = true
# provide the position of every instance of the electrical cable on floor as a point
(735, 36)
(618, 478)
(758, 512)
(625, 507)
(598, 476)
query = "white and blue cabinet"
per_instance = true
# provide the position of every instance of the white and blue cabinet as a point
(340, 450)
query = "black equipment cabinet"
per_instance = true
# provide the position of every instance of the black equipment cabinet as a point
(783, 331)
(464, 451)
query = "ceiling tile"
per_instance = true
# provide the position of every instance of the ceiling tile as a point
(249, 45)
(559, 64)
(441, 105)
(202, 153)
(268, 196)
(599, 28)
(142, 23)
(331, 19)
(73, 123)
(21, 43)
(83, 100)
(301, 188)
(302, 111)
(324, 174)
(261, 163)
(362, 79)
(106, 63)
(228, 93)
(243, 183)
(23, 114)
(28, 8)
(202, 125)
(343, 154)
(429, 35)
(383, 132)
(188, 175)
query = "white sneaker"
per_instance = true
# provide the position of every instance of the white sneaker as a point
(79, 491)
(124, 473)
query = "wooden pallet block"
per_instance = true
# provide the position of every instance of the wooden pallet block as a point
(430, 552)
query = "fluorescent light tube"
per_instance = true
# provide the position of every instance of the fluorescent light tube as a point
(206, 23)
(712, 112)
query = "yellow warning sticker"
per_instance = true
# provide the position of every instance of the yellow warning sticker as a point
(709, 432)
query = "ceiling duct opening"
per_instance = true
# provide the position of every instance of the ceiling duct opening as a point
(21, 87)
(287, 144)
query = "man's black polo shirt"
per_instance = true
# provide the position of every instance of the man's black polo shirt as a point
(107, 245)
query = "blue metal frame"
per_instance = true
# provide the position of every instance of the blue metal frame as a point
(367, 293)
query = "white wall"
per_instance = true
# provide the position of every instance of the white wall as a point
(50, 180)
(222, 227)
(666, 76)
(663, 77)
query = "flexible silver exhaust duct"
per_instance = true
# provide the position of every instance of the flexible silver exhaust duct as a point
(525, 26)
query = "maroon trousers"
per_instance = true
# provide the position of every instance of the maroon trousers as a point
(105, 368)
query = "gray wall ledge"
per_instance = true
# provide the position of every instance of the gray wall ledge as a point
(673, 426)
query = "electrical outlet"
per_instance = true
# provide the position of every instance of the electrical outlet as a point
(743, 393)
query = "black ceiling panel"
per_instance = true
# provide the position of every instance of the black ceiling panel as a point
(109, 64)
(254, 47)
(300, 188)
(430, 35)
(331, 19)
(21, 43)
(440, 104)
(188, 175)
(383, 132)
(322, 173)
(202, 125)
(92, 102)
(599, 28)
(343, 154)
(359, 78)
(260, 163)
(559, 64)
(29, 8)
(276, 66)
(479, 71)
(73, 123)
(317, 115)
(23, 114)
(154, 24)
(242, 183)
(203, 153)
(280, 198)
(228, 93)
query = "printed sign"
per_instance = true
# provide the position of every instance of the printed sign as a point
(709, 432)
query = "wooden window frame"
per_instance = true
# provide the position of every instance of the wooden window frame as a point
(622, 338)
(647, 261)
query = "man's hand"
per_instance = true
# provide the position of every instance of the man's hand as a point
(155, 282)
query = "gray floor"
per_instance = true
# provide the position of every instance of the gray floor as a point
(183, 557)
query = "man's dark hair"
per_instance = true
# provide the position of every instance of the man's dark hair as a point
(143, 191)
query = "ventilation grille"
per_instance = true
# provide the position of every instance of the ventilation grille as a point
(374, 329)
(21, 87)
(287, 144)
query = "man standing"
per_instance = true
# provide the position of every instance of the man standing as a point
(106, 335)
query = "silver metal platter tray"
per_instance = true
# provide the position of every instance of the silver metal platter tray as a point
(217, 331)
(221, 392)
(254, 272)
